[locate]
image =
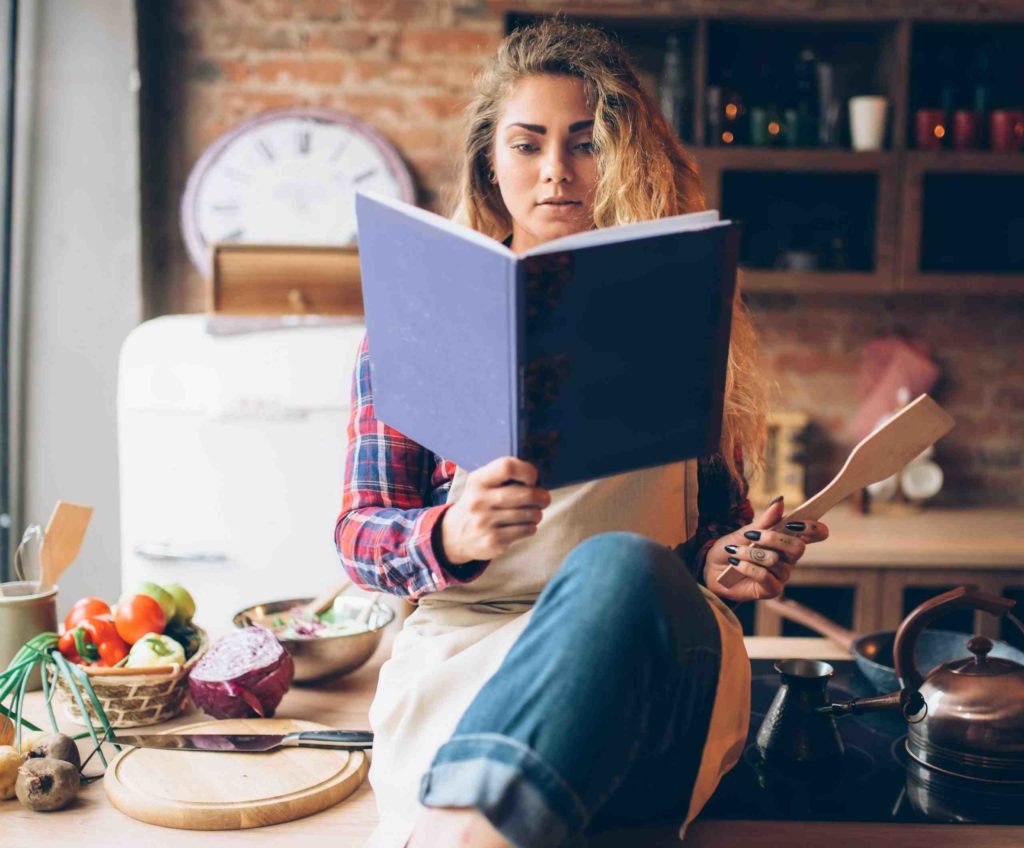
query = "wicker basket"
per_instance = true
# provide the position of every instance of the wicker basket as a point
(134, 696)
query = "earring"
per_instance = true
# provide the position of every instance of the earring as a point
(492, 177)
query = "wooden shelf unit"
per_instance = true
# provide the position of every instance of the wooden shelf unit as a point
(716, 161)
(885, 31)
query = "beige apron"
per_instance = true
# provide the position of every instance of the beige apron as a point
(457, 638)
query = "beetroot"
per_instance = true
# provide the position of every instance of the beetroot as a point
(243, 675)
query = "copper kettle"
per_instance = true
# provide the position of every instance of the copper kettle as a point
(967, 716)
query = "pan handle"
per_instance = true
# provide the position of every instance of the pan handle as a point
(919, 618)
(795, 611)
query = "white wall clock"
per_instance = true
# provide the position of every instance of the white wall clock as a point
(287, 177)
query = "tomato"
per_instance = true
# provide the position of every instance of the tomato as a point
(137, 615)
(85, 608)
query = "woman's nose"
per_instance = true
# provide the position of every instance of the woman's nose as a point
(556, 167)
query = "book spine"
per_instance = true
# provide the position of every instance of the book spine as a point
(543, 282)
(517, 340)
(730, 258)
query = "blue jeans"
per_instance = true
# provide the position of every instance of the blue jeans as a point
(597, 717)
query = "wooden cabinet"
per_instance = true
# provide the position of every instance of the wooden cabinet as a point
(902, 219)
(879, 567)
(834, 171)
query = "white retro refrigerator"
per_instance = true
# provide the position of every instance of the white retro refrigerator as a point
(232, 439)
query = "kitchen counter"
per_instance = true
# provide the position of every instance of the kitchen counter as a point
(345, 703)
(927, 538)
(885, 556)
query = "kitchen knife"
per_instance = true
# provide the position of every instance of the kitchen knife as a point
(251, 743)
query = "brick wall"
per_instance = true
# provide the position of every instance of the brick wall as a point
(812, 346)
(406, 66)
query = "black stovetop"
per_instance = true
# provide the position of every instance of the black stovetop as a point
(869, 785)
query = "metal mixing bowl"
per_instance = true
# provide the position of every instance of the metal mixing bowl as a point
(323, 657)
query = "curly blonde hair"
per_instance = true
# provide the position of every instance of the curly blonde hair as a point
(644, 172)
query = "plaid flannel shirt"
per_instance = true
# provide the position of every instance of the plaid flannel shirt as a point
(395, 492)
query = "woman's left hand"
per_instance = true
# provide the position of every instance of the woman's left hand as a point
(764, 554)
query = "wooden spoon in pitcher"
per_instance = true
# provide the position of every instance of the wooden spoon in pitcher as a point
(877, 456)
(62, 541)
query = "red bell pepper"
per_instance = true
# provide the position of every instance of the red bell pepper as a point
(94, 642)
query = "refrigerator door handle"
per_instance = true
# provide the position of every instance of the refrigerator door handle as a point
(164, 551)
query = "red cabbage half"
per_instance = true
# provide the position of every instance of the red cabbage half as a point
(243, 675)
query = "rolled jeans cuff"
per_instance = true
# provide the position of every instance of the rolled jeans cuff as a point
(522, 796)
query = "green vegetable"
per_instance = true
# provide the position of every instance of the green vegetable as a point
(41, 652)
(186, 636)
(185, 607)
(155, 649)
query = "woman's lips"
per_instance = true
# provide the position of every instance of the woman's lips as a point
(559, 207)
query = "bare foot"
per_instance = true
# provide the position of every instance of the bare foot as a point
(448, 827)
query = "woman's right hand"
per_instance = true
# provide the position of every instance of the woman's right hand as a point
(490, 514)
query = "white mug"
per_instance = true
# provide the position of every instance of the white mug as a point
(867, 121)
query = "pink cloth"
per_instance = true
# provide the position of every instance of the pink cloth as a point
(889, 363)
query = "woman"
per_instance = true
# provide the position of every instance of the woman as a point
(571, 664)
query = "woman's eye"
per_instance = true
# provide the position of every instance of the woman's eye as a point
(522, 145)
(589, 145)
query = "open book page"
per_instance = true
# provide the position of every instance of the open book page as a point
(438, 221)
(689, 222)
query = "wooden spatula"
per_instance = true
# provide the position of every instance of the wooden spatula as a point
(878, 455)
(62, 541)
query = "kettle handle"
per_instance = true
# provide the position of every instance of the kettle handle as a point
(919, 618)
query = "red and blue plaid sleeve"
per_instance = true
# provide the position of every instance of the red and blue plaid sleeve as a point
(723, 507)
(385, 533)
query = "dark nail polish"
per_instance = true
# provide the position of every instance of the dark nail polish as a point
(733, 561)
(730, 549)
(753, 535)
(775, 500)
(796, 526)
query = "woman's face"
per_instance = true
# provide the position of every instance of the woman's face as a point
(543, 151)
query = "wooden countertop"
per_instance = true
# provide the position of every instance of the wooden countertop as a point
(930, 538)
(345, 703)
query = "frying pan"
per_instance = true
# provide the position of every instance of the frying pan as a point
(873, 652)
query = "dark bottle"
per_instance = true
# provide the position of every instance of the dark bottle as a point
(804, 124)
(673, 89)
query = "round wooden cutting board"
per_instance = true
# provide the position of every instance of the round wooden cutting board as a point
(212, 790)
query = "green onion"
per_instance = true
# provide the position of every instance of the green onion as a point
(11, 678)
(108, 736)
(69, 676)
(11, 710)
(44, 673)
(100, 712)
(20, 705)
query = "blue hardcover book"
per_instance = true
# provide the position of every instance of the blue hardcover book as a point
(589, 355)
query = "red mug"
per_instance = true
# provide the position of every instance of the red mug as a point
(1006, 130)
(930, 129)
(966, 130)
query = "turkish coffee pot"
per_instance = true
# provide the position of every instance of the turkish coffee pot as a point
(799, 732)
